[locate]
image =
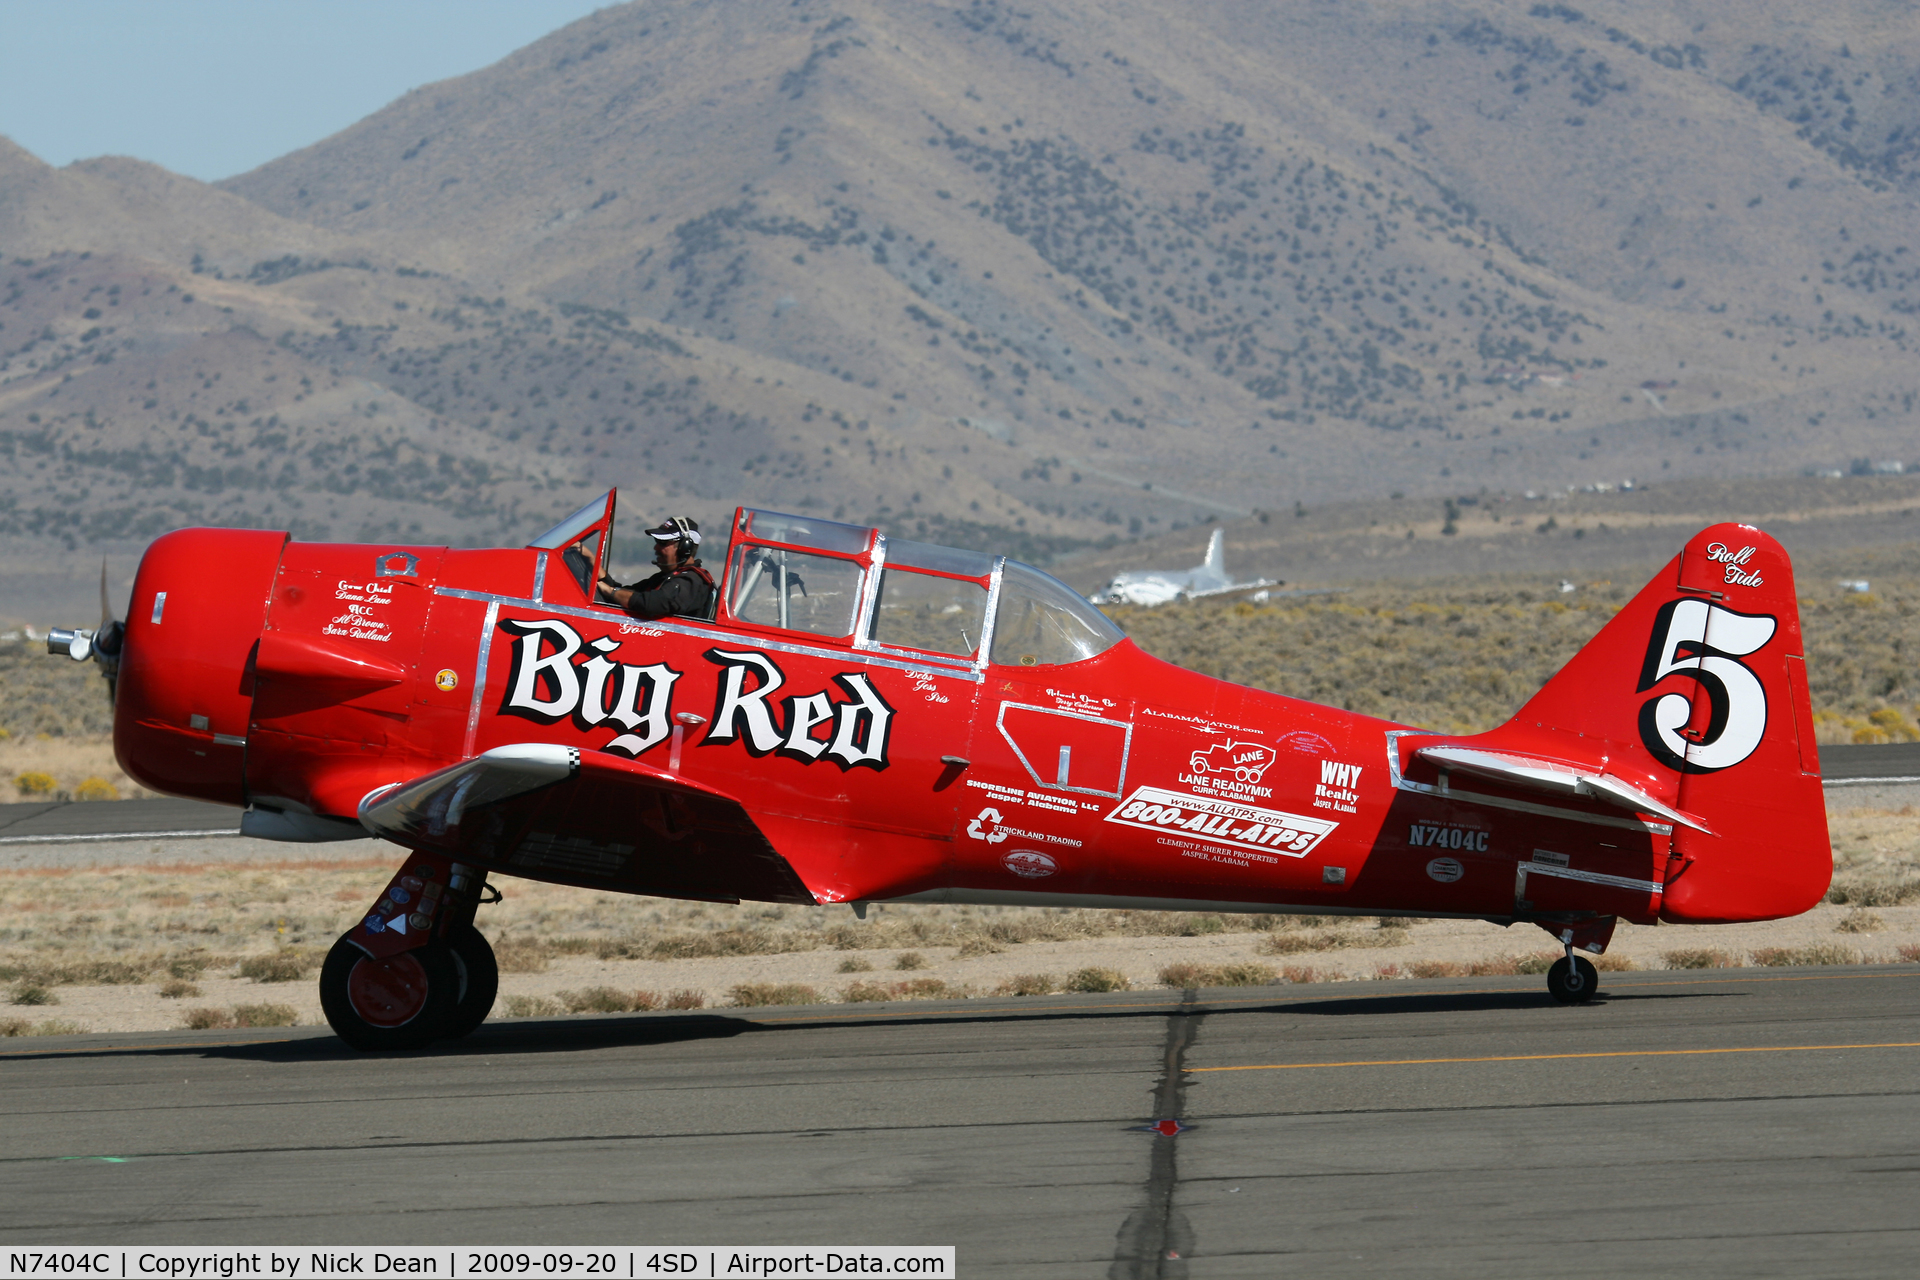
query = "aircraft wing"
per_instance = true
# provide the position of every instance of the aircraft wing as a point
(1557, 778)
(1254, 585)
(544, 811)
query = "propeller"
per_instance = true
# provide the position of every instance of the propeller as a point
(102, 644)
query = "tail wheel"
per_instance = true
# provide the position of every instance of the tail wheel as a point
(1574, 983)
(401, 1002)
(478, 980)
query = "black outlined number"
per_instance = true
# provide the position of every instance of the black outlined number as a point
(1704, 643)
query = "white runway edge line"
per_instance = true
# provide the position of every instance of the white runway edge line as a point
(119, 835)
(464, 1262)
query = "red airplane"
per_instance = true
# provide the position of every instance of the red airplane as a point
(866, 719)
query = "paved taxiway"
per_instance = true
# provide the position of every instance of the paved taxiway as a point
(1732, 1123)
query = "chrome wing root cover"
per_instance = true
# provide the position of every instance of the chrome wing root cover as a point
(435, 803)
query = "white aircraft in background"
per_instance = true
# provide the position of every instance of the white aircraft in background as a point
(1158, 586)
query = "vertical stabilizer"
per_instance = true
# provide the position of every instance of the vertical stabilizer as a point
(1696, 694)
(1216, 561)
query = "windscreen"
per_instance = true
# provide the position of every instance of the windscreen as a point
(1043, 622)
(573, 526)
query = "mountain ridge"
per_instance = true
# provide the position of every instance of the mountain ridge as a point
(1070, 271)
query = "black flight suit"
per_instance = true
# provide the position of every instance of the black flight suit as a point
(685, 591)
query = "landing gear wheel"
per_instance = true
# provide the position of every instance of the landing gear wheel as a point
(1573, 980)
(477, 977)
(402, 1002)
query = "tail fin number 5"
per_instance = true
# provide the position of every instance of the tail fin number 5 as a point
(1704, 643)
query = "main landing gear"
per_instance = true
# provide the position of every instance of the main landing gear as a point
(383, 990)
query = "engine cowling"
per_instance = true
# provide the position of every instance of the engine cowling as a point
(184, 698)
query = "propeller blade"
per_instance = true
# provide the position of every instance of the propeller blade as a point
(108, 640)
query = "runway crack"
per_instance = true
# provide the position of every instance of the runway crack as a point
(1156, 1240)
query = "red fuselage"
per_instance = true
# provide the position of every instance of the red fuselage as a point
(302, 677)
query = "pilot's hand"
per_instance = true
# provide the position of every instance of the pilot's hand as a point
(607, 586)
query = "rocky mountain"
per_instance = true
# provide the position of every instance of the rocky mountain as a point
(1030, 275)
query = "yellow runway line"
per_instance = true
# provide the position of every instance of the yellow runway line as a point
(1553, 1057)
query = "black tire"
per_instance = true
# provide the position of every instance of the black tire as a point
(1573, 984)
(478, 980)
(403, 1002)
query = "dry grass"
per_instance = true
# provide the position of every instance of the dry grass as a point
(1870, 890)
(521, 955)
(69, 764)
(176, 927)
(10, 1027)
(127, 924)
(911, 989)
(241, 1015)
(1503, 966)
(1463, 654)
(754, 995)
(1193, 976)
(610, 1000)
(1700, 958)
(1796, 957)
(288, 964)
(1876, 857)
(1288, 944)
(1097, 979)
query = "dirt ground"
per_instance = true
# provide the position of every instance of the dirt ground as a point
(118, 936)
(141, 1007)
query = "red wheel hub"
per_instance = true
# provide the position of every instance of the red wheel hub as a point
(390, 992)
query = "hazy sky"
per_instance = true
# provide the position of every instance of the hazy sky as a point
(211, 88)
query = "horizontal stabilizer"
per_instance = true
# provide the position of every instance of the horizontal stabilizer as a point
(1560, 779)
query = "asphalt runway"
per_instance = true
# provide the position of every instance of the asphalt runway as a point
(1732, 1123)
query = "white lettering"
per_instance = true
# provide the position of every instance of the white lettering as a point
(737, 703)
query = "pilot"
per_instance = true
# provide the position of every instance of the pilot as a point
(682, 588)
